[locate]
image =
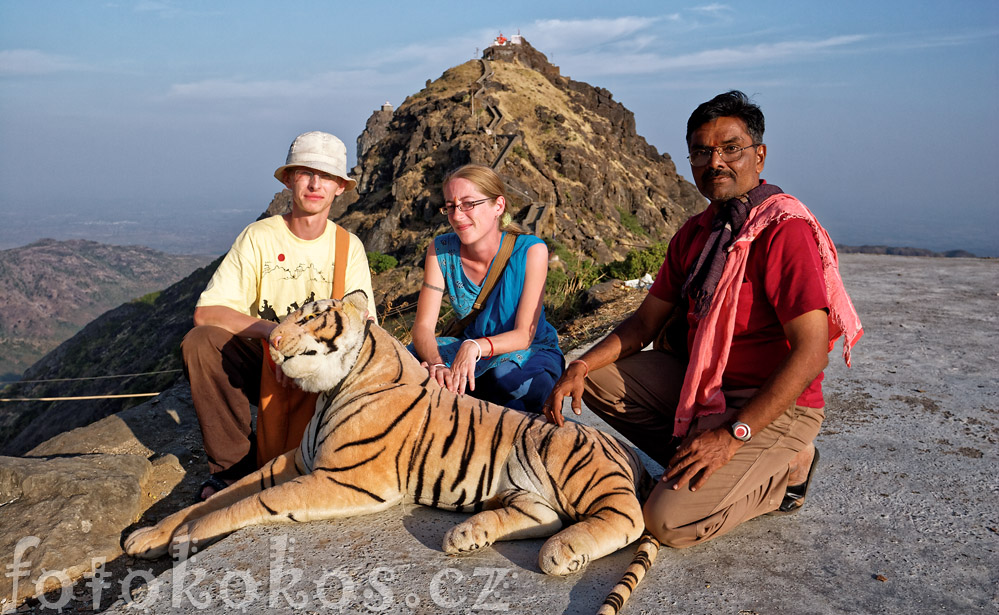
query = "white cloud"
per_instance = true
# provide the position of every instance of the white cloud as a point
(757, 55)
(715, 9)
(923, 41)
(170, 10)
(34, 62)
(321, 86)
(431, 53)
(600, 63)
(219, 89)
(563, 35)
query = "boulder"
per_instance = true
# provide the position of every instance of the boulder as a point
(71, 498)
(602, 293)
(61, 513)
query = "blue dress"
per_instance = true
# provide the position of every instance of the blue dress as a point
(521, 379)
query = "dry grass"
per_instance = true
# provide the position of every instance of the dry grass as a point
(587, 328)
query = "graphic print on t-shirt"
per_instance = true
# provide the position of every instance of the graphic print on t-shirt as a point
(310, 271)
(308, 275)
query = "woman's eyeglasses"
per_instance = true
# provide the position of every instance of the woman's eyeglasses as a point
(449, 206)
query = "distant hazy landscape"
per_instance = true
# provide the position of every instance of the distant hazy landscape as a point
(200, 229)
(49, 290)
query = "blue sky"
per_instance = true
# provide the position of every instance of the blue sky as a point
(160, 122)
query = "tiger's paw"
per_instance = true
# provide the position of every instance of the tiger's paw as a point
(189, 538)
(466, 537)
(560, 558)
(147, 542)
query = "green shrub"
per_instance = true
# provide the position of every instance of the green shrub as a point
(630, 222)
(379, 262)
(638, 262)
(149, 299)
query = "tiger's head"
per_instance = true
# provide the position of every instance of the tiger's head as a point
(317, 344)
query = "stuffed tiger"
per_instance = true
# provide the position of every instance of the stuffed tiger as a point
(384, 431)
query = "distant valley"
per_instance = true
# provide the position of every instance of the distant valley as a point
(50, 289)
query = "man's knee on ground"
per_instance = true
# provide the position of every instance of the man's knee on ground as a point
(667, 518)
(677, 538)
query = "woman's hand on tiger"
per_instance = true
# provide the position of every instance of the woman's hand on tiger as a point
(570, 384)
(441, 373)
(463, 369)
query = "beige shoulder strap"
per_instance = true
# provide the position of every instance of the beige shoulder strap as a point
(506, 249)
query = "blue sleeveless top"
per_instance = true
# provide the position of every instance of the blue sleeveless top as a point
(499, 314)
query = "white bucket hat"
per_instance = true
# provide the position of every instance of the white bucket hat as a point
(320, 151)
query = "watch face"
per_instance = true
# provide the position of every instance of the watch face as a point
(740, 431)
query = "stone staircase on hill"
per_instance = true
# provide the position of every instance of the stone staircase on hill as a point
(540, 216)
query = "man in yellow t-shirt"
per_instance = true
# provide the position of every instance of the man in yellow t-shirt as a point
(275, 266)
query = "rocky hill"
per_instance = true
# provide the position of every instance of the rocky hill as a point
(577, 170)
(50, 289)
(138, 337)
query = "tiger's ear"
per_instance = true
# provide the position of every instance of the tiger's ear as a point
(358, 299)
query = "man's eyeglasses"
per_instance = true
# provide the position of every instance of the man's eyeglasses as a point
(308, 174)
(728, 153)
(449, 206)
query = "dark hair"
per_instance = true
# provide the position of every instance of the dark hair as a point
(730, 104)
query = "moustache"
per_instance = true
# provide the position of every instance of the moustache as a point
(710, 174)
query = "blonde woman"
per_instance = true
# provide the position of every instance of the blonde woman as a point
(509, 354)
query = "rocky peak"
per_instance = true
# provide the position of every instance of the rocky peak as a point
(524, 53)
(577, 171)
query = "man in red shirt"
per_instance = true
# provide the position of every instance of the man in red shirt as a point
(759, 316)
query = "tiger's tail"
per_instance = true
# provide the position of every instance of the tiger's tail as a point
(645, 555)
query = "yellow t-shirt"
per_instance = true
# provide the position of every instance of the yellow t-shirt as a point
(269, 272)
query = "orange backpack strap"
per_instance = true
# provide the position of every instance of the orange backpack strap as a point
(342, 242)
(283, 414)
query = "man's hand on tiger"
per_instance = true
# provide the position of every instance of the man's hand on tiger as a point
(570, 384)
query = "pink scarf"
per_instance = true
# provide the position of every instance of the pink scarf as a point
(701, 393)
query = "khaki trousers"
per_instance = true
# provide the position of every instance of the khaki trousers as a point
(638, 396)
(224, 372)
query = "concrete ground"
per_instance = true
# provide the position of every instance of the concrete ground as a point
(902, 517)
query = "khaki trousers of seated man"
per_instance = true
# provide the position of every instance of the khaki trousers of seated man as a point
(638, 396)
(224, 372)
